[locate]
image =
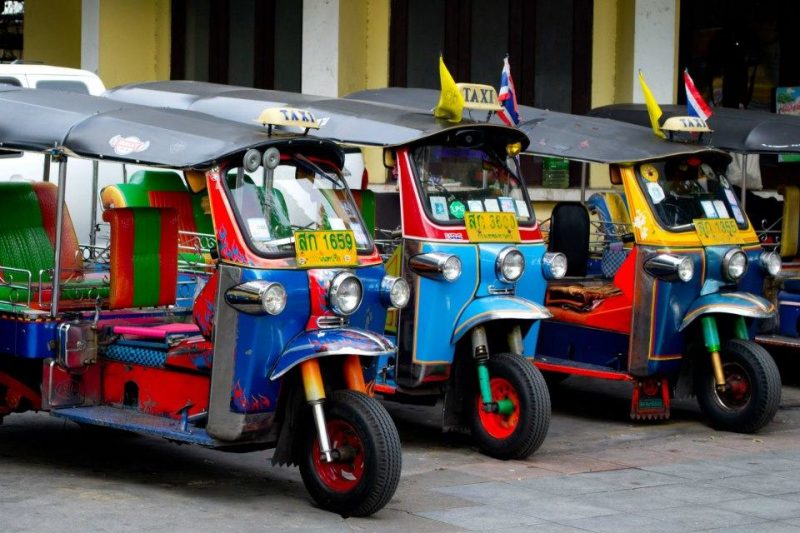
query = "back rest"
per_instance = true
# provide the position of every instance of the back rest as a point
(144, 256)
(790, 225)
(569, 234)
(161, 188)
(28, 231)
(387, 210)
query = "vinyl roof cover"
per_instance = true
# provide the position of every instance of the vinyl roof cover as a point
(734, 130)
(91, 126)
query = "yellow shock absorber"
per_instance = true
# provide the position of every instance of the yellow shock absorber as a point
(354, 374)
(312, 380)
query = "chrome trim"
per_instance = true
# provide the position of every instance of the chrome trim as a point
(336, 284)
(501, 258)
(342, 351)
(500, 314)
(328, 322)
(726, 261)
(431, 265)
(500, 290)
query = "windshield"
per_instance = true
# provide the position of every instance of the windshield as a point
(455, 180)
(682, 190)
(296, 196)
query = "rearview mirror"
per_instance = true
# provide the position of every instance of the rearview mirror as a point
(615, 175)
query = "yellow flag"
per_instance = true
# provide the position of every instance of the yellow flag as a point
(652, 108)
(451, 102)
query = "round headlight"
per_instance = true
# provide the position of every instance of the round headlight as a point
(734, 264)
(685, 269)
(344, 295)
(395, 292)
(510, 264)
(273, 298)
(451, 269)
(554, 265)
(771, 262)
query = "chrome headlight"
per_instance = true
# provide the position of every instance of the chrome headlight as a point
(554, 265)
(734, 264)
(345, 293)
(395, 292)
(771, 262)
(257, 297)
(510, 264)
(436, 265)
(670, 267)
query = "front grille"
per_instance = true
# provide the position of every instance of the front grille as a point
(501, 290)
(324, 322)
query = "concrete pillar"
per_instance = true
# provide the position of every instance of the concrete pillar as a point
(320, 73)
(655, 49)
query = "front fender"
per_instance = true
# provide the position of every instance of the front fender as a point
(488, 308)
(324, 342)
(729, 303)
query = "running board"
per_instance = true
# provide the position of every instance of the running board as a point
(565, 366)
(779, 341)
(136, 422)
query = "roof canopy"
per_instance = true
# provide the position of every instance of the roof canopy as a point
(342, 120)
(91, 126)
(557, 134)
(734, 130)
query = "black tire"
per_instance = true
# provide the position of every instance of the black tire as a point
(377, 472)
(755, 387)
(505, 437)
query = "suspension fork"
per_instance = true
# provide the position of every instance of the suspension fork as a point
(480, 352)
(315, 396)
(712, 342)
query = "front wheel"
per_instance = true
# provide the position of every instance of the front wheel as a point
(365, 476)
(520, 433)
(753, 388)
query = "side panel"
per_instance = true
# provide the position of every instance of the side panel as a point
(532, 286)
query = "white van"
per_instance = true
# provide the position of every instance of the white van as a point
(36, 76)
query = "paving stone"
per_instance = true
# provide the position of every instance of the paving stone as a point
(700, 517)
(631, 501)
(557, 508)
(696, 493)
(770, 508)
(764, 484)
(699, 470)
(621, 523)
(481, 518)
(490, 492)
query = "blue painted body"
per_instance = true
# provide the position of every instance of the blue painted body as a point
(571, 342)
(789, 309)
(442, 307)
(29, 340)
(262, 339)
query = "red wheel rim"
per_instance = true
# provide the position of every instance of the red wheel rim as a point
(345, 475)
(738, 393)
(497, 425)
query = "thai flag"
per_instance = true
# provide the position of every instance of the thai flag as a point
(694, 101)
(508, 96)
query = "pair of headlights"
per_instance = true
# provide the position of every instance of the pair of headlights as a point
(344, 295)
(509, 265)
(734, 265)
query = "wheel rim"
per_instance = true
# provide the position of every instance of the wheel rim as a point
(738, 392)
(345, 475)
(497, 425)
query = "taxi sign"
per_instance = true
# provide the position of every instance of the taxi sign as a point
(325, 248)
(715, 231)
(478, 96)
(288, 116)
(491, 227)
(687, 124)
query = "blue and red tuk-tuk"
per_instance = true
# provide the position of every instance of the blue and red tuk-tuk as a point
(266, 352)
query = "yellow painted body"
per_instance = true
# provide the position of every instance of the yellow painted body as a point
(52, 32)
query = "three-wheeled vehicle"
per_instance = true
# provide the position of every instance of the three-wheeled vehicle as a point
(673, 302)
(458, 226)
(766, 135)
(268, 351)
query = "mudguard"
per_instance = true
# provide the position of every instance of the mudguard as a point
(729, 303)
(325, 342)
(488, 308)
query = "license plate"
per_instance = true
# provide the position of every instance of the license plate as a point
(325, 248)
(717, 231)
(491, 227)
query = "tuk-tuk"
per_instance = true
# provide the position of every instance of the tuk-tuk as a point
(766, 135)
(268, 351)
(673, 306)
(457, 224)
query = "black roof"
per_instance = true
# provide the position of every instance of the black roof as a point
(343, 120)
(558, 134)
(734, 130)
(91, 126)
